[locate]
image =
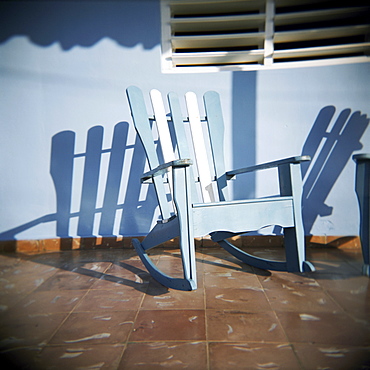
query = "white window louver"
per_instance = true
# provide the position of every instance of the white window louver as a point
(257, 34)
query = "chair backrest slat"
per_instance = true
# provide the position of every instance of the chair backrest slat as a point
(142, 125)
(163, 131)
(181, 136)
(162, 125)
(216, 132)
(204, 172)
(178, 123)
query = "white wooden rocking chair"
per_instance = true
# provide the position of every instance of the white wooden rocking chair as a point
(210, 210)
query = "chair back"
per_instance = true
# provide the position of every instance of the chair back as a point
(170, 136)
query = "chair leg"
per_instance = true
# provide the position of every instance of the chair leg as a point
(163, 231)
(295, 251)
(290, 182)
(362, 187)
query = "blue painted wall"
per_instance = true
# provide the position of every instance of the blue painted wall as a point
(64, 67)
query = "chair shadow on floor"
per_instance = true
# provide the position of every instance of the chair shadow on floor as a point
(134, 277)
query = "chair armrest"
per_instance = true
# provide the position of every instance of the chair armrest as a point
(361, 157)
(263, 166)
(163, 168)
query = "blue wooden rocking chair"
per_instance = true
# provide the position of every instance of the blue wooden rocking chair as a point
(206, 209)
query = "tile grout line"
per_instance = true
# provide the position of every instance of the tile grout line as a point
(344, 311)
(205, 314)
(133, 325)
(71, 311)
(44, 344)
(298, 345)
(61, 324)
(29, 258)
(282, 327)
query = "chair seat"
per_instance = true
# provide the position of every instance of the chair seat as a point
(242, 216)
(242, 201)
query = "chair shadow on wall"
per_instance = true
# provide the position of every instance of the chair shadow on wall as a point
(330, 143)
(63, 173)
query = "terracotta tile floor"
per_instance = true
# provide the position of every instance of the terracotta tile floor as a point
(99, 309)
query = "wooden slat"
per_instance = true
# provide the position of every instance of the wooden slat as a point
(163, 131)
(320, 33)
(227, 57)
(224, 23)
(162, 125)
(142, 125)
(284, 3)
(216, 133)
(199, 148)
(318, 15)
(217, 41)
(178, 123)
(181, 138)
(322, 51)
(198, 7)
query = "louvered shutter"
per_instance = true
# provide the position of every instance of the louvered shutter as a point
(254, 34)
